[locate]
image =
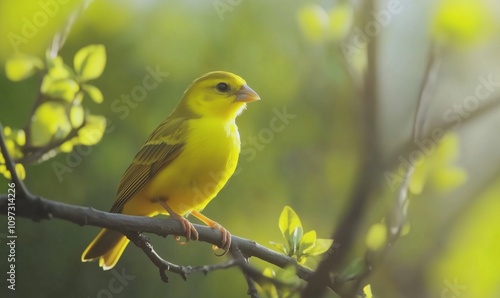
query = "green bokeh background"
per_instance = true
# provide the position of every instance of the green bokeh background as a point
(310, 164)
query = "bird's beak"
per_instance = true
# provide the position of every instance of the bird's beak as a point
(246, 94)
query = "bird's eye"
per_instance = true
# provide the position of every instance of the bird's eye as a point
(222, 87)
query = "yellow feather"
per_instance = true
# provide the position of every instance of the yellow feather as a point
(184, 163)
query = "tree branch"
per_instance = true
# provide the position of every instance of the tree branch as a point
(346, 231)
(38, 208)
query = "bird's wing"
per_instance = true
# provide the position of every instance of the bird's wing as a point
(161, 148)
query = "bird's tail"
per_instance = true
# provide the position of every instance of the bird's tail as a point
(108, 247)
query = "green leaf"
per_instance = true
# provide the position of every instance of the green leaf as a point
(20, 137)
(288, 276)
(93, 130)
(89, 62)
(341, 17)
(22, 66)
(353, 270)
(294, 239)
(438, 169)
(76, 116)
(289, 222)
(14, 149)
(462, 23)
(269, 272)
(377, 236)
(65, 89)
(288, 279)
(320, 247)
(280, 247)
(7, 131)
(67, 147)
(314, 22)
(21, 172)
(94, 93)
(268, 289)
(49, 122)
(58, 70)
(367, 290)
(307, 242)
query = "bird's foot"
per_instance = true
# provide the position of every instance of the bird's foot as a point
(226, 235)
(189, 228)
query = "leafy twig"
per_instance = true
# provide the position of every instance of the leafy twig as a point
(60, 37)
(11, 167)
(36, 154)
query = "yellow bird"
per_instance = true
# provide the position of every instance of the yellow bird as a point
(184, 163)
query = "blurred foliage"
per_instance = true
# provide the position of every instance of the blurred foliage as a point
(14, 140)
(319, 25)
(367, 290)
(304, 59)
(287, 278)
(58, 121)
(462, 265)
(436, 168)
(376, 237)
(461, 23)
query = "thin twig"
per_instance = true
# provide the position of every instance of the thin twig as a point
(61, 36)
(143, 243)
(36, 154)
(411, 146)
(254, 275)
(426, 93)
(242, 261)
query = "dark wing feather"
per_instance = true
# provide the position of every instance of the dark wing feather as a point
(161, 148)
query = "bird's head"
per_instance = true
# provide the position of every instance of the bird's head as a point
(218, 94)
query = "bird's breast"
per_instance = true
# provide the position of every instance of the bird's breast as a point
(211, 153)
(213, 148)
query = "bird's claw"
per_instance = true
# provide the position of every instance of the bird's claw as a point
(226, 240)
(190, 230)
